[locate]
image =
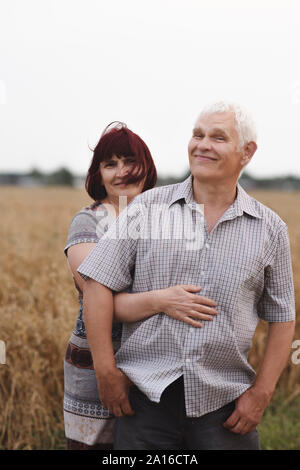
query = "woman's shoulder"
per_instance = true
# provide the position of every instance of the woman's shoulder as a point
(90, 209)
(87, 218)
(85, 227)
(93, 207)
(88, 212)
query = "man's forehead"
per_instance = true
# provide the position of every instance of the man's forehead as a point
(217, 120)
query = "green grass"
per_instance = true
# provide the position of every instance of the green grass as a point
(280, 426)
(59, 441)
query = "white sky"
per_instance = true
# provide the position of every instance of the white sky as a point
(69, 67)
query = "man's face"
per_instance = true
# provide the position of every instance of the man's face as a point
(214, 149)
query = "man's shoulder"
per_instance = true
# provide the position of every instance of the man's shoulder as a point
(159, 194)
(268, 215)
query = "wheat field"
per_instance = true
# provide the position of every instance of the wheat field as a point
(38, 308)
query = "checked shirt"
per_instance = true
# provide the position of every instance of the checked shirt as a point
(244, 264)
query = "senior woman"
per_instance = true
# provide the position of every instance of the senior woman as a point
(122, 165)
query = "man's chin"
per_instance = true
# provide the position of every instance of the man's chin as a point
(204, 176)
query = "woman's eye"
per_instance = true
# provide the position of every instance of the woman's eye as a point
(129, 162)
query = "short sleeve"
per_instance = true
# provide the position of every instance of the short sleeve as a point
(112, 261)
(84, 228)
(277, 303)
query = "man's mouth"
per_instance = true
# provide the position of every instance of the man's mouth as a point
(204, 158)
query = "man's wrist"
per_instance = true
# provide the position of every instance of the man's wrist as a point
(105, 370)
(263, 389)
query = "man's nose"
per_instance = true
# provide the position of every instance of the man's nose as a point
(204, 143)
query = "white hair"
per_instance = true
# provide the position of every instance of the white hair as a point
(244, 124)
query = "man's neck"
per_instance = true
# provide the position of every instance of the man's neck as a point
(217, 198)
(214, 195)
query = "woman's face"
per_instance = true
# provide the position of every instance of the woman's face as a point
(112, 173)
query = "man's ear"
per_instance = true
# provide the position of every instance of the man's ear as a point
(248, 152)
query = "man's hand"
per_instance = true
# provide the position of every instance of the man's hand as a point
(113, 388)
(249, 408)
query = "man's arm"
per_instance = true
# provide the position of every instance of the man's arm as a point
(113, 384)
(251, 404)
(277, 307)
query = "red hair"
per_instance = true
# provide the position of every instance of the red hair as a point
(122, 142)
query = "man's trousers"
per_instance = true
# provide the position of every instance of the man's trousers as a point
(164, 425)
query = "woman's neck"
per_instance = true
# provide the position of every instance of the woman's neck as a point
(115, 204)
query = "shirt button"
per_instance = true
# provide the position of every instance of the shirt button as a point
(202, 273)
(187, 361)
(207, 245)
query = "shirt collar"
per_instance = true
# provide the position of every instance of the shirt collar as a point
(184, 191)
(242, 203)
(245, 203)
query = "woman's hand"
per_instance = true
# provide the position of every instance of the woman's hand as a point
(181, 302)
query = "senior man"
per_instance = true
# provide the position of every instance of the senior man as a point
(173, 385)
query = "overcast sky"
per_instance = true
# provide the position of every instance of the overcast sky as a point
(69, 67)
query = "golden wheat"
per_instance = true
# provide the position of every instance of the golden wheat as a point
(38, 307)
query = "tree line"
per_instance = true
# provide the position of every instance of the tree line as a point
(64, 177)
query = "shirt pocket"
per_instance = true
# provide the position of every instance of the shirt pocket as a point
(249, 274)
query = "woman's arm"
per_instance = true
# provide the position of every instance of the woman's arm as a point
(76, 254)
(179, 302)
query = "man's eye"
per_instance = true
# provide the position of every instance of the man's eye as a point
(197, 136)
(220, 138)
